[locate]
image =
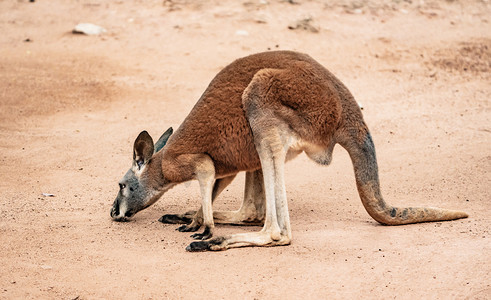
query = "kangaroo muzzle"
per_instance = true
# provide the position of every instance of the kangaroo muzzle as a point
(120, 214)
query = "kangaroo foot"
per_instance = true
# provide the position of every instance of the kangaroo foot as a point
(253, 239)
(205, 245)
(207, 233)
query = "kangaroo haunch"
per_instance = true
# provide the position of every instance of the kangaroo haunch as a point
(256, 114)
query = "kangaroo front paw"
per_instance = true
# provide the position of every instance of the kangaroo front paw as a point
(188, 228)
(175, 219)
(207, 233)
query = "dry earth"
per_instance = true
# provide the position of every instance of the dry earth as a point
(71, 106)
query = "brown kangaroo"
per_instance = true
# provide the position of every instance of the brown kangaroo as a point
(256, 114)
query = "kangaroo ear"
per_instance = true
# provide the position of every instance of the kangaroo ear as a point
(142, 149)
(163, 139)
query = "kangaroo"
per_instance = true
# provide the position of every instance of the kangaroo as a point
(257, 113)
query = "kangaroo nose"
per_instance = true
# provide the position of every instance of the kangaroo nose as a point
(114, 212)
(115, 209)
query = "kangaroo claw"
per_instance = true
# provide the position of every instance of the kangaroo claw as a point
(187, 228)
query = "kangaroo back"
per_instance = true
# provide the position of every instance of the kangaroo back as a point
(217, 124)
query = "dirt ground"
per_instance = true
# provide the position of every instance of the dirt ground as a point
(72, 105)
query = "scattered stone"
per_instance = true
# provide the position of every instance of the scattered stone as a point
(242, 33)
(304, 24)
(46, 267)
(88, 29)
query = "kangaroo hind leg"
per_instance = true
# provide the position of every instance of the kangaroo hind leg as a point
(273, 139)
(252, 210)
(276, 230)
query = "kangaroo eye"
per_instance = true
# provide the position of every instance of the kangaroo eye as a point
(122, 186)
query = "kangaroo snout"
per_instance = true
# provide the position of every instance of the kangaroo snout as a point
(120, 215)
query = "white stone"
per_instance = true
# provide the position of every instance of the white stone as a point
(88, 29)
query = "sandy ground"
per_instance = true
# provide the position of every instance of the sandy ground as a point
(72, 105)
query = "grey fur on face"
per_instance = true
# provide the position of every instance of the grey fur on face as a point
(130, 199)
(135, 191)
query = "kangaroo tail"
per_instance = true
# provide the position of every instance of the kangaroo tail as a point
(361, 149)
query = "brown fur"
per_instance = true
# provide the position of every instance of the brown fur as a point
(256, 113)
(217, 124)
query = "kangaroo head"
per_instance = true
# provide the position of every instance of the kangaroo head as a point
(143, 184)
